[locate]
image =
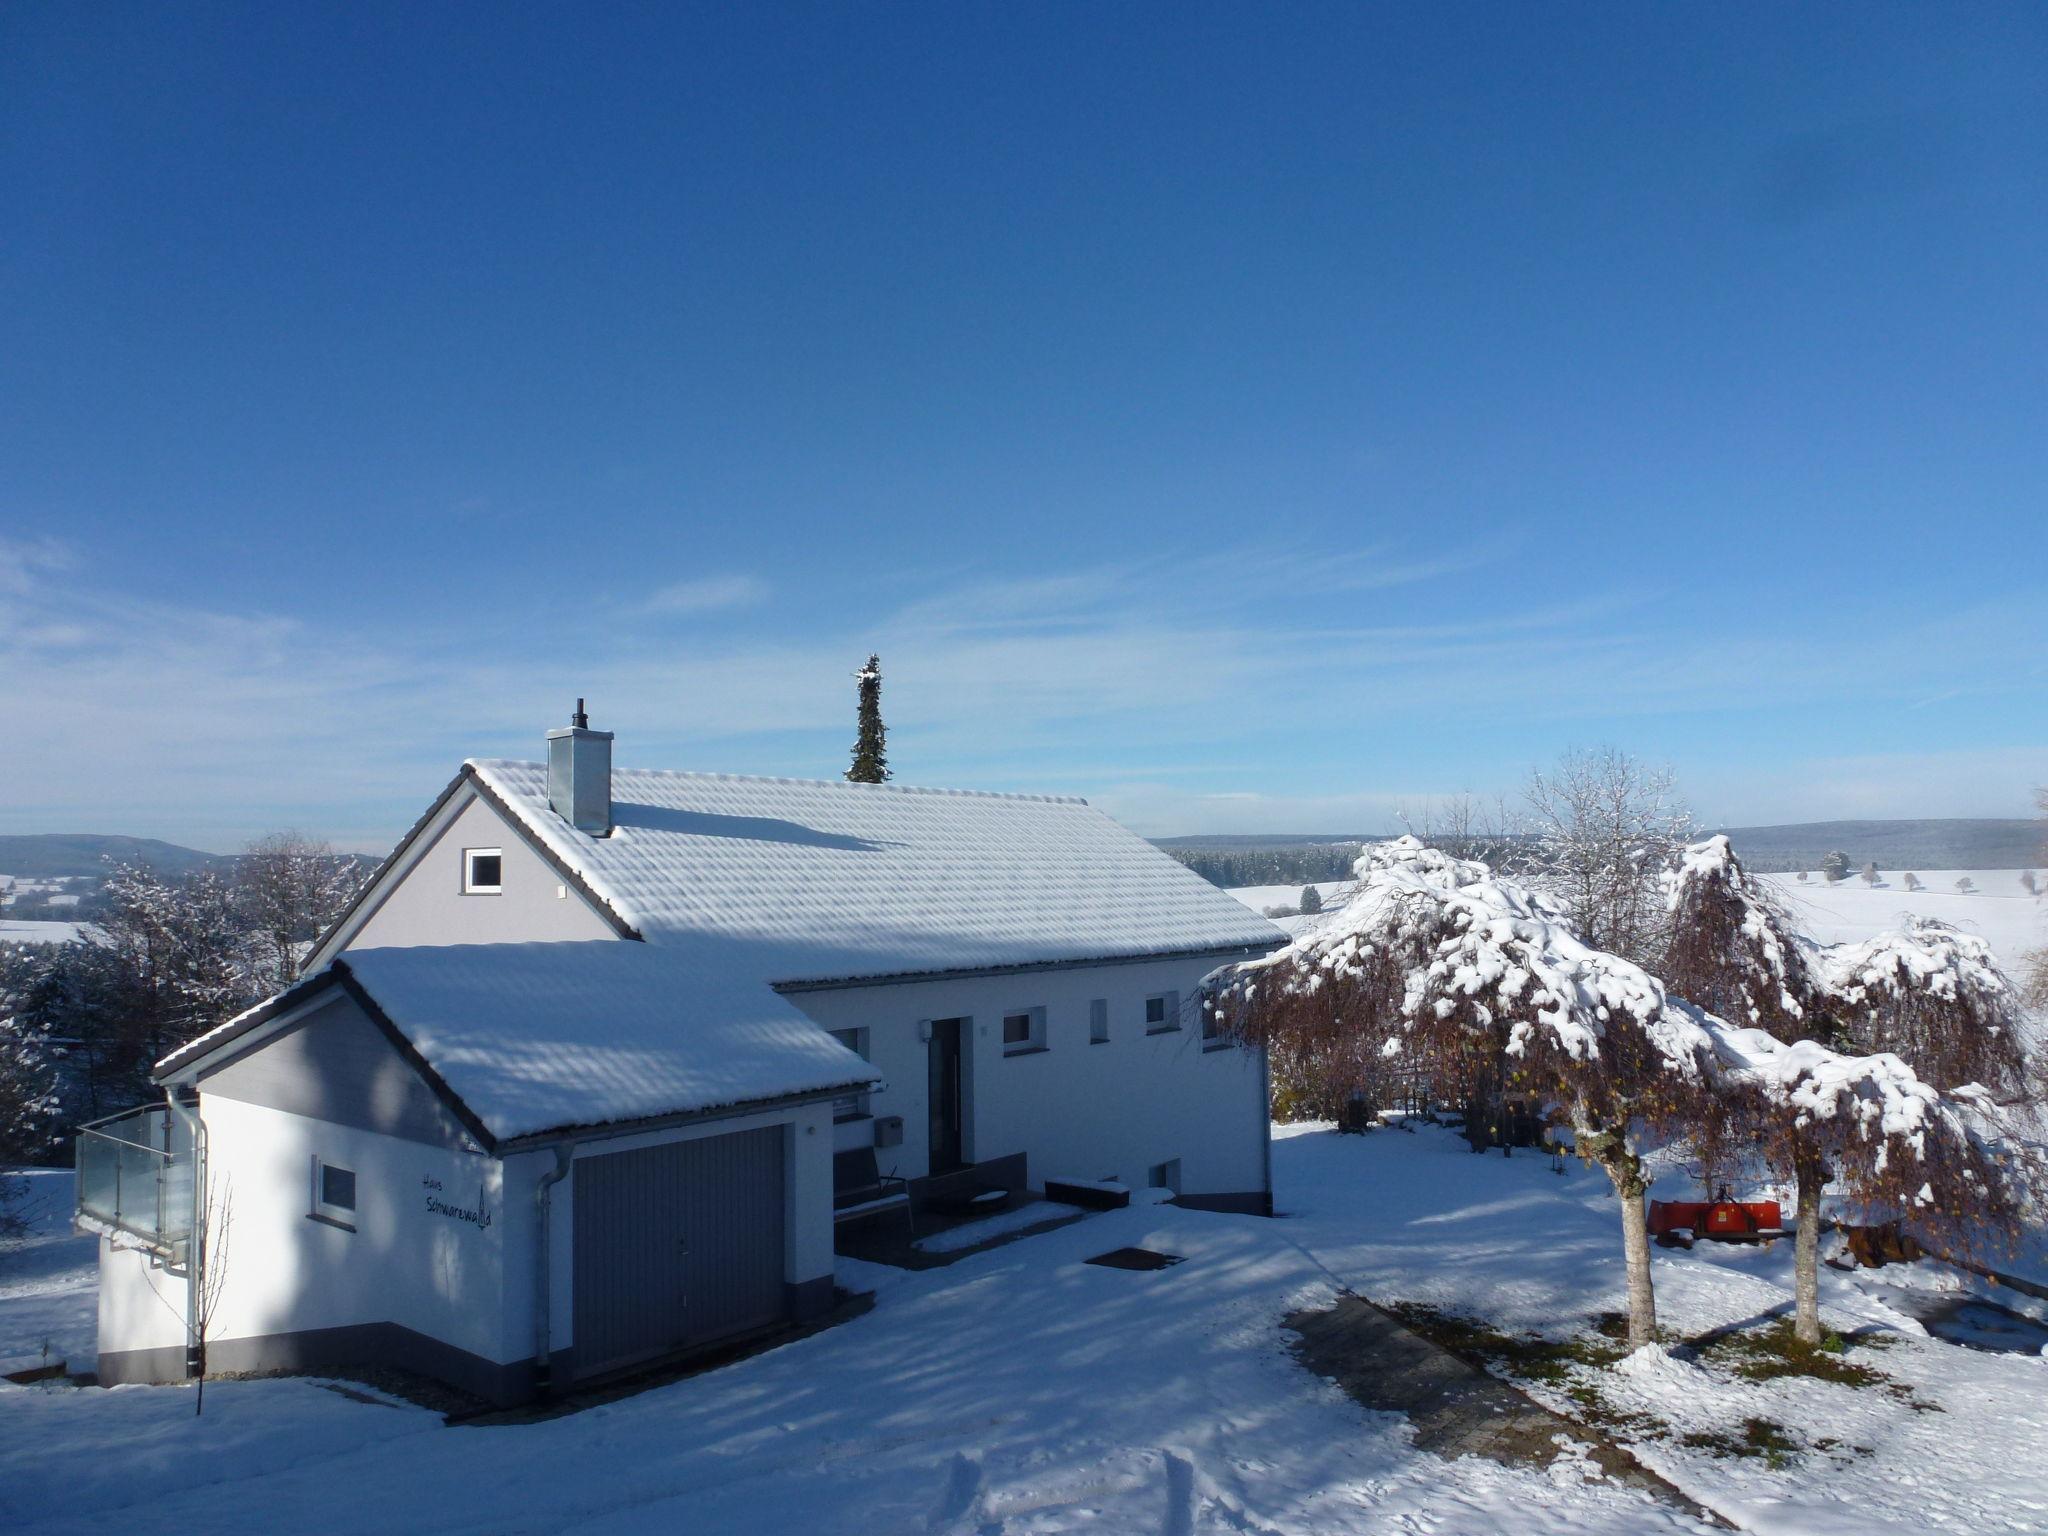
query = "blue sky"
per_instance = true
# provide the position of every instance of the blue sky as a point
(1252, 418)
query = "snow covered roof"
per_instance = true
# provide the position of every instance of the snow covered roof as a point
(542, 1037)
(793, 881)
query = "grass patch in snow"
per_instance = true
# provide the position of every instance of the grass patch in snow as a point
(1775, 1352)
(1569, 1366)
(1766, 1439)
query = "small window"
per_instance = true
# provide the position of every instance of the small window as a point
(1098, 1021)
(483, 871)
(851, 1106)
(1165, 1175)
(1023, 1031)
(334, 1194)
(1162, 1012)
(1214, 1036)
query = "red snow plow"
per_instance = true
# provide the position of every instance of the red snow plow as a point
(1676, 1223)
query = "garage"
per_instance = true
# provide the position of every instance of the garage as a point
(677, 1246)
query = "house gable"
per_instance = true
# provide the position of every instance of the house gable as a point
(334, 1063)
(418, 897)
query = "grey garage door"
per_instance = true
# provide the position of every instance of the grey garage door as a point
(677, 1246)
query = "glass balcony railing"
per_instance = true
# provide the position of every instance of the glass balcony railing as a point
(135, 1176)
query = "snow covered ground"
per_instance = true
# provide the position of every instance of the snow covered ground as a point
(25, 931)
(1023, 1391)
(2001, 910)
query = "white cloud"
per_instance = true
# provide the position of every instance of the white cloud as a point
(708, 594)
(1207, 693)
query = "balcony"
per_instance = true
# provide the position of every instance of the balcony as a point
(136, 1177)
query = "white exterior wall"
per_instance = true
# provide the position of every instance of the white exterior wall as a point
(1078, 1110)
(425, 902)
(140, 1307)
(807, 1210)
(284, 1272)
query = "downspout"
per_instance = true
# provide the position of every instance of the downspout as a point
(1266, 1123)
(543, 1317)
(195, 1252)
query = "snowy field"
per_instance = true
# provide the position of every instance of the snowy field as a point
(2000, 910)
(1021, 1391)
(25, 931)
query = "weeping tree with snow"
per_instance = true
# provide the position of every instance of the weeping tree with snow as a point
(1934, 996)
(1731, 949)
(1894, 1146)
(1438, 962)
(1813, 1115)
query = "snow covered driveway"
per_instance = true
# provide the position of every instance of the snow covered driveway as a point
(1024, 1391)
(1019, 1391)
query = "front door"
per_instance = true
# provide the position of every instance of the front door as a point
(945, 1095)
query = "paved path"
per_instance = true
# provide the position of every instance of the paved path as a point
(1457, 1409)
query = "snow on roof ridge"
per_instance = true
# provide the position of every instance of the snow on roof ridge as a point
(764, 778)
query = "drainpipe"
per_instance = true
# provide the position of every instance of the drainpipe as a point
(543, 1319)
(1266, 1124)
(195, 1252)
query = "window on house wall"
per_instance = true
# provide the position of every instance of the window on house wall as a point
(334, 1193)
(1023, 1031)
(852, 1106)
(1098, 1021)
(1214, 1037)
(1162, 1012)
(483, 871)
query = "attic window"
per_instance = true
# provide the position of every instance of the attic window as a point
(483, 871)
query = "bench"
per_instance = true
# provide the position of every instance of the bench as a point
(860, 1188)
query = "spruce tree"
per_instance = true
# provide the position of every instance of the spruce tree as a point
(870, 751)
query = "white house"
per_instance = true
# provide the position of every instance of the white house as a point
(585, 1075)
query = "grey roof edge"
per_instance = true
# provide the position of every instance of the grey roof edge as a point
(244, 1024)
(1025, 967)
(596, 1130)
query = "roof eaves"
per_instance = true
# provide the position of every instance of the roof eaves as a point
(241, 1026)
(965, 972)
(600, 1129)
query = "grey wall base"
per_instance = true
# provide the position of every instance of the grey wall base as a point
(328, 1349)
(1255, 1202)
(388, 1344)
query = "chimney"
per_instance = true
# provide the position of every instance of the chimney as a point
(580, 774)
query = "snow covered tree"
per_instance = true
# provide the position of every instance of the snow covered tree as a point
(1892, 1143)
(288, 889)
(1311, 901)
(1605, 828)
(29, 1119)
(1870, 873)
(1913, 882)
(1835, 867)
(1965, 886)
(2030, 883)
(870, 749)
(1934, 996)
(1437, 963)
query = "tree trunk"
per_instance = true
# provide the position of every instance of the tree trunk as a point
(1625, 1171)
(1811, 1174)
